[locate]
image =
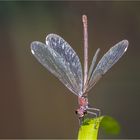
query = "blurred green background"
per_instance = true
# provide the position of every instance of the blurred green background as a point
(33, 103)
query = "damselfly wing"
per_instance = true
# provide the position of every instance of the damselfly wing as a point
(61, 60)
(106, 62)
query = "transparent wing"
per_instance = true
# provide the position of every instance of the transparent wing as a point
(93, 64)
(107, 61)
(61, 60)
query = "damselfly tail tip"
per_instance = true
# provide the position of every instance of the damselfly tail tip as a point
(84, 18)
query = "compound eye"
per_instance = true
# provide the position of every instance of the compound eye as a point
(85, 112)
(76, 112)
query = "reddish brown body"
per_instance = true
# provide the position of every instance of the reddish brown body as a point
(83, 106)
(85, 109)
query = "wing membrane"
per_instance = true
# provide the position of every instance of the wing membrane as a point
(107, 61)
(61, 60)
(93, 63)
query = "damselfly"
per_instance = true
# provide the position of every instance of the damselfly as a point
(63, 62)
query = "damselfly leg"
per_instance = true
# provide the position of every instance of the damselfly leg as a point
(98, 111)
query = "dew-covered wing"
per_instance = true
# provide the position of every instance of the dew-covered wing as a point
(61, 60)
(107, 61)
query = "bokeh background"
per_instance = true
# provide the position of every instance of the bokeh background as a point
(35, 104)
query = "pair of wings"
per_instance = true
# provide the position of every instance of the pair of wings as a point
(63, 62)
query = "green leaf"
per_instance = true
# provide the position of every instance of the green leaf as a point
(90, 127)
(110, 125)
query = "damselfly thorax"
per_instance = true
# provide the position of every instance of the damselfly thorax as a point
(83, 105)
